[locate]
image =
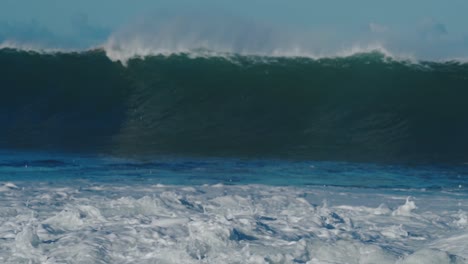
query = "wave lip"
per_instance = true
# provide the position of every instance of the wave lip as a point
(125, 50)
(122, 51)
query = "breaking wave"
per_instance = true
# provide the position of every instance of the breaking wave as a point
(364, 106)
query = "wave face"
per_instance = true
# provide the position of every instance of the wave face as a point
(364, 107)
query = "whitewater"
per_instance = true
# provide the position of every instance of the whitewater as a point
(94, 209)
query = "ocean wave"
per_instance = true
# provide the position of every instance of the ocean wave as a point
(366, 106)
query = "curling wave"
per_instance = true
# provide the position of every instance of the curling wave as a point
(365, 106)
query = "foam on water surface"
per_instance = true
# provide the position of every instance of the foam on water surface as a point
(73, 212)
(104, 223)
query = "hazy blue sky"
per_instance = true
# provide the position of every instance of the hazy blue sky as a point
(425, 27)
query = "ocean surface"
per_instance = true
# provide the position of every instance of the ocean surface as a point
(209, 158)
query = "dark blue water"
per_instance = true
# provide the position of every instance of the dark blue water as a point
(361, 108)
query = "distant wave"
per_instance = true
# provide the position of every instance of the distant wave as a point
(365, 107)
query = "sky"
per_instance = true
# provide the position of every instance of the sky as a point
(424, 28)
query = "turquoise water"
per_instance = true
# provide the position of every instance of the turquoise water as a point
(30, 166)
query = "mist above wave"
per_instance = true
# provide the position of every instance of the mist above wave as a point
(219, 32)
(223, 35)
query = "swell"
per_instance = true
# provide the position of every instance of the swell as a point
(364, 107)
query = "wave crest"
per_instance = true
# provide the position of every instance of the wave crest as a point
(125, 50)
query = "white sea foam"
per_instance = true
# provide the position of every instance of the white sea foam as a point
(108, 223)
(224, 35)
(7, 186)
(119, 48)
(406, 208)
(124, 48)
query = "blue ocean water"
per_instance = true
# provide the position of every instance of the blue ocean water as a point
(40, 166)
(207, 158)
